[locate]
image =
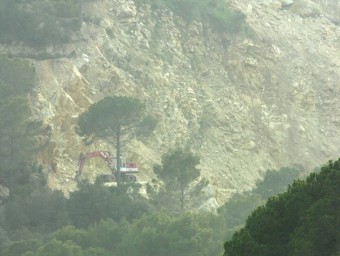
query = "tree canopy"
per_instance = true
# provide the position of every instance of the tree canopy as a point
(38, 22)
(178, 169)
(111, 118)
(95, 202)
(302, 221)
(18, 130)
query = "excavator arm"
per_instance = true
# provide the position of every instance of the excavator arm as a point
(105, 155)
(126, 168)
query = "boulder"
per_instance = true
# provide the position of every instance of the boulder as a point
(305, 8)
(4, 193)
(210, 205)
(276, 5)
(285, 3)
(126, 10)
(331, 10)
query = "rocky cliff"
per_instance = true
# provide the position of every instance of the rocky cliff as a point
(245, 103)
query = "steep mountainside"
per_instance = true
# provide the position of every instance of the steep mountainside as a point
(245, 103)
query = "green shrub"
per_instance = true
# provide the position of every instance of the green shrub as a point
(147, 126)
(302, 221)
(17, 77)
(38, 23)
(216, 12)
(43, 211)
(95, 202)
(223, 18)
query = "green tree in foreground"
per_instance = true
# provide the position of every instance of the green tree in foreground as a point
(178, 169)
(237, 209)
(111, 118)
(43, 211)
(239, 206)
(168, 235)
(156, 234)
(305, 220)
(151, 235)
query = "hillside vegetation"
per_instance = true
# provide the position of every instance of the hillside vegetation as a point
(39, 23)
(218, 12)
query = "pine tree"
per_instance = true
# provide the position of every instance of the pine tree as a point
(111, 118)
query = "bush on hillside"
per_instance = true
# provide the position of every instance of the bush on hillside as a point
(38, 23)
(216, 12)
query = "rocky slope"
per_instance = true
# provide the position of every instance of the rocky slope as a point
(245, 104)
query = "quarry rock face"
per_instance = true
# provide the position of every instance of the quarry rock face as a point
(244, 103)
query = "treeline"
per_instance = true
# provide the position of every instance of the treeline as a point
(305, 220)
(97, 220)
(38, 22)
(18, 130)
(240, 205)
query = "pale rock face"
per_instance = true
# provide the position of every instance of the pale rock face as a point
(287, 2)
(331, 9)
(305, 8)
(245, 104)
(210, 205)
(276, 5)
(126, 9)
(4, 193)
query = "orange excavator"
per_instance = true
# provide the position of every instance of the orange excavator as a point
(126, 168)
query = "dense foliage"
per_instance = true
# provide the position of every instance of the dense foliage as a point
(240, 206)
(17, 77)
(217, 12)
(21, 211)
(92, 203)
(38, 22)
(110, 117)
(97, 220)
(302, 221)
(157, 234)
(18, 131)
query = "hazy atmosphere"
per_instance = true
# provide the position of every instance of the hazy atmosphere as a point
(170, 127)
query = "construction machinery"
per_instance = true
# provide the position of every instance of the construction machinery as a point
(126, 170)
